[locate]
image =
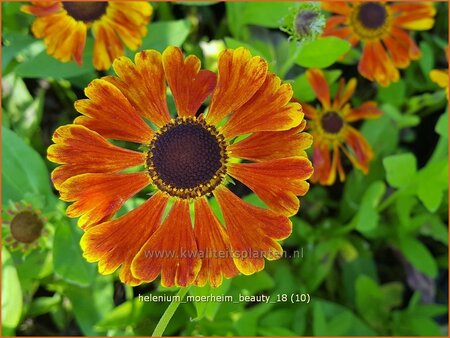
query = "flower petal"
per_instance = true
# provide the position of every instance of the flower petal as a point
(359, 150)
(41, 8)
(269, 109)
(414, 16)
(310, 112)
(269, 145)
(129, 20)
(143, 84)
(171, 251)
(344, 93)
(64, 37)
(190, 86)
(99, 196)
(118, 241)
(82, 151)
(368, 110)
(107, 45)
(401, 47)
(339, 7)
(240, 76)
(277, 182)
(322, 163)
(376, 65)
(109, 113)
(440, 77)
(252, 231)
(214, 245)
(320, 86)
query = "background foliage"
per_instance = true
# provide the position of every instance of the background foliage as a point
(374, 248)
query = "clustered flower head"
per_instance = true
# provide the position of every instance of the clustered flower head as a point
(186, 159)
(304, 23)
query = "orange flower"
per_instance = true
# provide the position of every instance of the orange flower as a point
(186, 159)
(382, 29)
(440, 77)
(331, 131)
(63, 26)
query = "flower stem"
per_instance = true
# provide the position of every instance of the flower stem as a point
(170, 311)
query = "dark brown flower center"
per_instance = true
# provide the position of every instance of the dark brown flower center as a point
(303, 22)
(26, 226)
(186, 156)
(372, 15)
(332, 123)
(85, 11)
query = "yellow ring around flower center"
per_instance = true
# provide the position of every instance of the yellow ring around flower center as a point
(187, 158)
(370, 20)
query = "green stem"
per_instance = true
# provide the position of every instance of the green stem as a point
(170, 311)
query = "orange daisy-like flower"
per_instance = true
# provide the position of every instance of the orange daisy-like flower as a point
(186, 159)
(382, 29)
(332, 132)
(63, 25)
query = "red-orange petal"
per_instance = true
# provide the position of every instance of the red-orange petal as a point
(344, 93)
(213, 245)
(108, 112)
(339, 7)
(319, 84)
(190, 86)
(253, 231)
(269, 109)
(143, 84)
(376, 65)
(277, 182)
(322, 163)
(82, 151)
(171, 251)
(359, 150)
(117, 242)
(368, 110)
(310, 112)
(240, 76)
(414, 16)
(41, 8)
(269, 145)
(97, 197)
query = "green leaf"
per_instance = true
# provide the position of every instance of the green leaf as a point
(43, 305)
(91, 304)
(209, 309)
(426, 60)
(233, 43)
(402, 120)
(393, 94)
(165, 33)
(322, 53)
(319, 321)
(432, 182)
(23, 169)
(253, 284)
(11, 295)
(45, 66)
(197, 3)
(265, 14)
(418, 255)
(369, 300)
(382, 134)
(367, 216)
(442, 125)
(68, 261)
(400, 169)
(14, 44)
